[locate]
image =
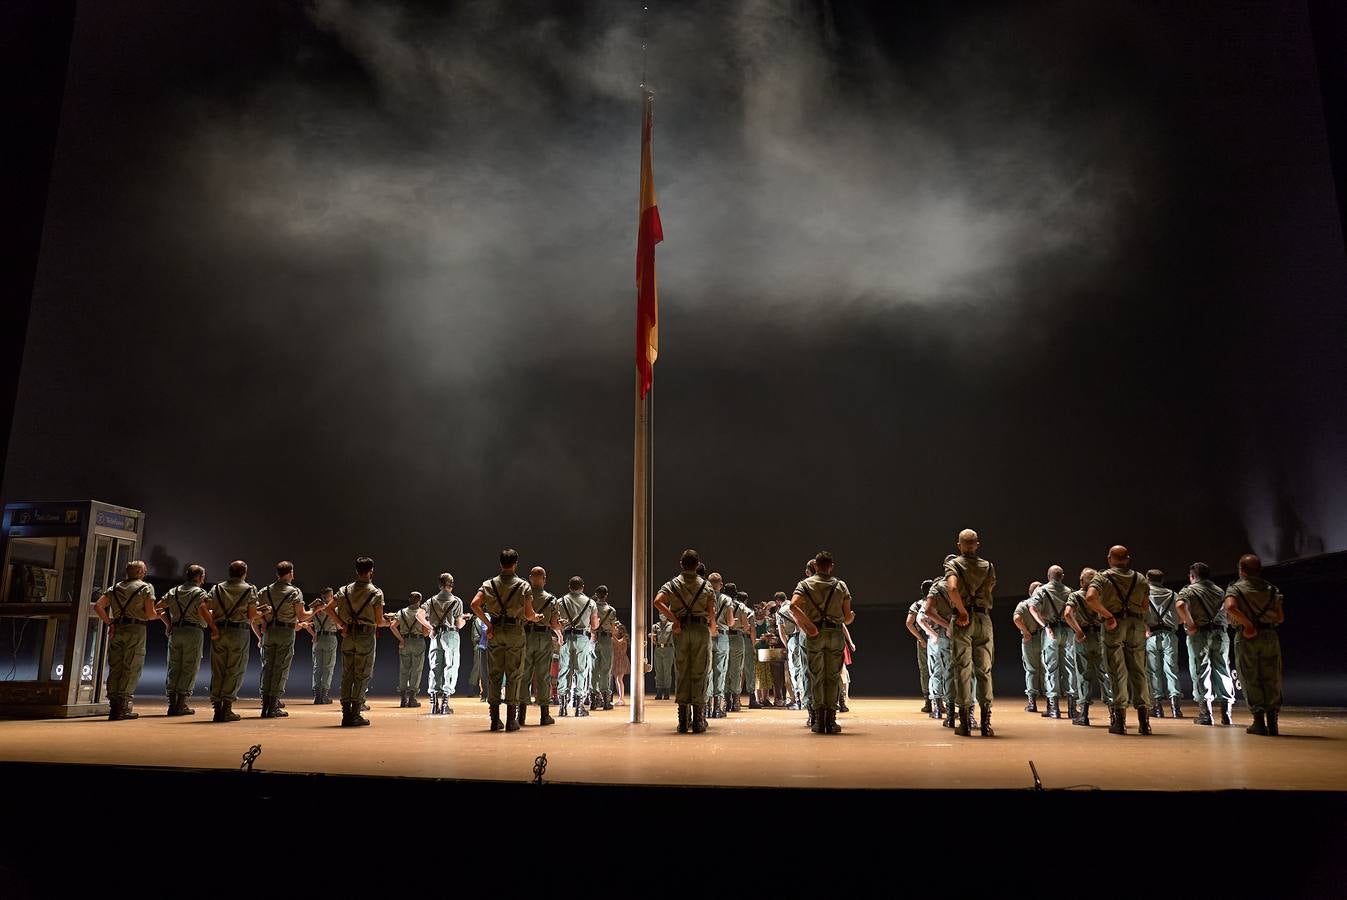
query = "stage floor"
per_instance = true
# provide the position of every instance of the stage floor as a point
(886, 744)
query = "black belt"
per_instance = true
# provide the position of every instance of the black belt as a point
(408, 637)
(1157, 629)
(575, 632)
(1089, 628)
(1056, 623)
(533, 628)
(229, 623)
(441, 629)
(361, 628)
(509, 620)
(1212, 626)
(1127, 614)
(733, 631)
(985, 610)
(127, 620)
(693, 620)
(290, 625)
(833, 625)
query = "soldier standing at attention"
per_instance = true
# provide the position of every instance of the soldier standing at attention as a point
(720, 642)
(1048, 606)
(513, 602)
(971, 582)
(410, 627)
(1162, 646)
(791, 639)
(445, 612)
(914, 612)
(359, 611)
(1089, 648)
(1121, 598)
(579, 619)
(478, 676)
(323, 629)
(661, 639)
(181, 613)
(688, 602)
(601, 675)
(939, 617)
(1201, 609)
(281, 607)
(748, 622)
(1031, 649)
(734, 658)
(1256, 607)
(228, 611)
(132, 605)
(538, 647)
(821, 605)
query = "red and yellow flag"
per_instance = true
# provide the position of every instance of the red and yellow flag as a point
(649, 233)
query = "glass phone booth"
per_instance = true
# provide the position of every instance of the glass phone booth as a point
(57, 560)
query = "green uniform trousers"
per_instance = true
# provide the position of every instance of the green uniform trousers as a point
(357, 664)
(799, 669)
(924, 668)
(1090, 666)
(938, 663)
(228, 662)
(825, 666)
(1259, 661)
(505, 666)
(972, 658)
(1056, 680)
(734, 664)
(720, 661)
(538, 665)
(692, 659)
(184, 658)
(278, 652)
(1162, 665)
(126, 657)
(1125, 659)
(444, 661)
(573, 668)
(601, 672)
(1031, 658)
(750, 665)
(324, 661)
(1209, 665)
(411, 663)
(664, 662)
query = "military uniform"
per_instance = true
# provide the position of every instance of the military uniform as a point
(940, 653)
(1089, 658)
(664, 658)
(974, 645)
(575, 665)
(230, 603)
(360, 606)
(411, 655)
(796, 662)
(182, 605)
(1125, 594)
(720, 656)
(505, 647)
(1162, 650)
(281, 602)
(923, 653)
(1209, 650)
(443, 612)
(734, 661)
(538, 655)
(824, 604)
(324, 656)
(1031, 656)
(478, 675)
(1259, 658)
(601, 674)
(1058, 646)
(749, 666)
(693, 606)
(126, 647)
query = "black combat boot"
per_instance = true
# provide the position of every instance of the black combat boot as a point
(926, 707)
(544, 715)
(513, 716)
(353, 718)
(496, 723)
(581, 707)
(963, 729)
(266, 707)
(1071, 707)
(219, 711)
(986, 722)
(364, 707)
(172, 705)
(1259, 725)
(731, 702)
(832, 726)
(937, 709)
(950, 712)
(317, 696)
(842, 704)
(277, 709)
(563, 702)
(753, 702)
(1052, 709)
(698, 719)
(280, 704)
(1157, 711)
(183, 708)
(523, 714)
(1032, 705)
(412, 702)
(434, 703)
(1143, 721)
(402, 700)
(594, 702)
(1272, 716)
(445, 708)
(1117, 720)
(1225, 712)
(715, 707)
(115, 709)
(818, 721)
(1203, 713)
(1174, 710)
(607, 699)
(345, 713)
(682, 718)
(812, 719)
(1082, 714)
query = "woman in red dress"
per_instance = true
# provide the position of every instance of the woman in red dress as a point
(621, 660)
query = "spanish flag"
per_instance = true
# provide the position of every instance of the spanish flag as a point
(649, 233)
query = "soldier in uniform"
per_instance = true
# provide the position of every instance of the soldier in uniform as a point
(579, 618)
(359, 611)
(688, 602)
(971, 582)
(601, 673)
(793, 640)
(323, 629)
(131, 603)
(1048, 606)
(1121, 598)
(1089, 648)
(938, 613)
(661, 640)
(723, 595)
(512, 603)
(280, 609)
(445, 612)
(229, 610)
(181, 613)
(478, 677)
(821, 605)
(1256, 608)
(748, 623)
(1201, 608)
(734, 657)
(1162, 646)
(1031, 649)
(411, 627)
(914, 613)
(538, 635)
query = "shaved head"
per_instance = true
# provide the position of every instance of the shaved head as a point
(1118, 555)
(968, 542)
(1086, 576)
(1056, 573)
(1034, 585)
(538, 570)
(1250, 564)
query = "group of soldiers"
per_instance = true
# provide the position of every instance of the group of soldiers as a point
(1115, 638)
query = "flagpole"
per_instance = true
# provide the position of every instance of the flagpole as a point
(640, 549)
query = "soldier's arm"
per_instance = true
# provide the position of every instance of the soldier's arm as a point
(781, 632)
(1070, 615)
(203, 610)
(306, 626)
(1185, 616)
(1019, 623)
(477, 600)
(846, 633)
(101, 608)
(848, 616)
(912, 626)
(1232, 610)
(801, 620)
(594, 622)
(1096, 604)
(956, 599)
(397, 632)
(529, 614)
(425, 623)
(460, 619)
(151, 611)
(379, 620)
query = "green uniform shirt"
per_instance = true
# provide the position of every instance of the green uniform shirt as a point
(284, 600)
(1085, 617)
(444, 610)
(408, 625)
(576, 608)
(663, 632)
(323, 623)
(183, 605)
(1259, 601)
(1050, 600)
(1161, 613)
(1206, 603)
(977, 580)
(360, 603)
(504, 596)
(607, 618)
(725, 609)
(691, 596)
(1022, 610)
(126, 599)
(544, 605)
(787, 624)
(824, 598)
(231, 601)
(1122, 590)
(944, 607)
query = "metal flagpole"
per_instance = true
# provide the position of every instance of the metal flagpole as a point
(640, 549)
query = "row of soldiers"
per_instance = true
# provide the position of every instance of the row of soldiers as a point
(1114, 637)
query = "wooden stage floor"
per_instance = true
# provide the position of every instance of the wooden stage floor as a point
(886, 744)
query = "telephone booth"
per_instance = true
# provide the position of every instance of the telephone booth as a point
(57, 560)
